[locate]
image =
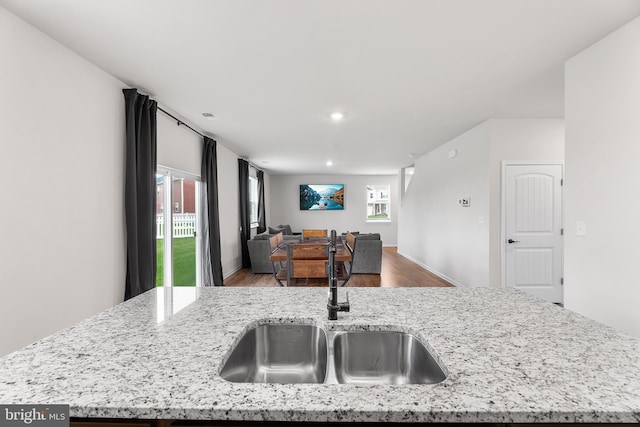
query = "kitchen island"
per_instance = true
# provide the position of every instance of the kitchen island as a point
(509, 358)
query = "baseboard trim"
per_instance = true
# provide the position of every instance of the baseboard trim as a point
(235, 270)
(434, 271)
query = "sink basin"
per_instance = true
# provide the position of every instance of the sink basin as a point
(295, 353)
(380, 357)
(279, 353)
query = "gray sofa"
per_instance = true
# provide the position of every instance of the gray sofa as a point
(367, 253)
(260, 251)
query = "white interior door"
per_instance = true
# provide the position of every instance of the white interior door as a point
(533, 229)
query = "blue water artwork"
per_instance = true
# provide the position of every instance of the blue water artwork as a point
(316, 197)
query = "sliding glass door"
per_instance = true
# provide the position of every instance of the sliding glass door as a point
(177, 219)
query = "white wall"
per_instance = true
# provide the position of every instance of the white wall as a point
(228, 203)
(463, 244)
(434, 229)
(602, 103)
(62, 241)
(62, 167)
(285, 205)
(178, 147)
(517, 140)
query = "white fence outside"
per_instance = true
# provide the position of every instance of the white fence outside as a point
(184, 225)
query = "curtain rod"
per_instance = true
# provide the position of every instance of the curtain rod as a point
(180, 122)
(251, 164)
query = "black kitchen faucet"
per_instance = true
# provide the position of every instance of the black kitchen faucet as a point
(333, 306)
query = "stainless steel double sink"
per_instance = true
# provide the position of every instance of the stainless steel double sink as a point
(300, 353)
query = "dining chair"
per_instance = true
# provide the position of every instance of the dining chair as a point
(310, 261)
(279, 268)
(314, 234)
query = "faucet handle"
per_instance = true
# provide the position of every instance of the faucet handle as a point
(345, 306)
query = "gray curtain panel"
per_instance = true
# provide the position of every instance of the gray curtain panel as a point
(212, 254)
(262, 219)
(245, 215)
(140, 192)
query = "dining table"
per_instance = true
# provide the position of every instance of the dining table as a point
(343, 254)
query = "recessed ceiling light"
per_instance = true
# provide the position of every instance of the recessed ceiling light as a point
(209, 116)
(337, 116)
(329, 163)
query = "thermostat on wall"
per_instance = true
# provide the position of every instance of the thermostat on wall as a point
(465, 202)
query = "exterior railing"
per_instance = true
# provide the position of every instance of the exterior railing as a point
(184, 225)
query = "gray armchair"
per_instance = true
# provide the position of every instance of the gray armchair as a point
(284, 229)
(260, 252)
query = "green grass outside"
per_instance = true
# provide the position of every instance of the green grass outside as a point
(184, 262)
(384, 216)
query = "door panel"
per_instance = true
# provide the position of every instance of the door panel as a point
(534, 203)
(533, 267)
(533, 230)
(184, 231)
(178, 245)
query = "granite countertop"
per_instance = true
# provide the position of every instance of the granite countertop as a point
(509, 358)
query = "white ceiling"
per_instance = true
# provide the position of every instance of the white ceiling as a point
(409, 74)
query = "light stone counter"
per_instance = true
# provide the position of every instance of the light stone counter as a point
(509, 358)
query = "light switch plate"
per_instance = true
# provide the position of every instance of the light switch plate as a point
(581, 228)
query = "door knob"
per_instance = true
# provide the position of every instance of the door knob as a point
(513, 241)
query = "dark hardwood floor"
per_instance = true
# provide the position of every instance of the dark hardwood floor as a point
(397, 271)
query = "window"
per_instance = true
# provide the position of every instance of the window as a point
(177, 245)
(378, 202)
(253, 201)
